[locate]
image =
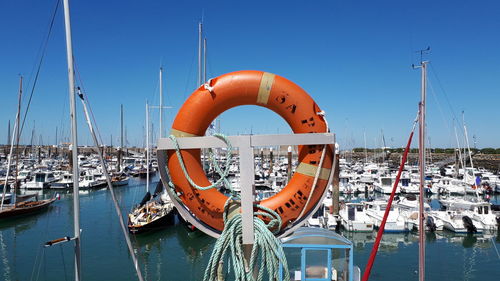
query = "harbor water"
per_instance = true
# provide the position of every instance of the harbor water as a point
(174, 253)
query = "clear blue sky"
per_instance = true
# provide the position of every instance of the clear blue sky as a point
(353, 57)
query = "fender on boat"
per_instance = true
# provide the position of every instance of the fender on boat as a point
(239, 88)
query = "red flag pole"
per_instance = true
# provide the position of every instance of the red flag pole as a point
(380, 232)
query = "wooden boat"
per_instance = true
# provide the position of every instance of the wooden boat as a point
(25, 207)
(150, 216)
(152, 213)
(119, 180)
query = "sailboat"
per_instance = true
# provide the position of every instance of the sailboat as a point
(120, 178)
(156, 210)
(26, 206)
(153, 212)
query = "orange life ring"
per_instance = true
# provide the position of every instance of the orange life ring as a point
(250, 88)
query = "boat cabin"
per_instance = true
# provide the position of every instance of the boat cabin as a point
(319, 254)
(481, 208)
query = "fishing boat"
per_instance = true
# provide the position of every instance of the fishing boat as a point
(479, 213)
(90, 180)
(65, 181)
(396, 222)
(354, 218)
(40, 180)
(383, 185)
(409, 207)
(459, 222)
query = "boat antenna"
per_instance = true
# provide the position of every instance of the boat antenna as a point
(423, 52)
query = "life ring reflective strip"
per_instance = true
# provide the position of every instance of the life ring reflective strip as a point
(250, 88)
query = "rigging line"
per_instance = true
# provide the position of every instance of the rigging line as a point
(188, 79)
(63, 262)
(79, 78)
(433, 70)
(38, 54)
(42, 260)
(439, 106)
(494, 245)
(40, 64)
(35, 263)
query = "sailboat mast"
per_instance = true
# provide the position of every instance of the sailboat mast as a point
(204, 59)
(366, 153)
(17, 137)
(421, 150)
(459, 151)
(9, 157)
(200, 31)
(74, 140)
(147, 147)
(467, 142)
(161, 103)
(8, 133)
(120, 148)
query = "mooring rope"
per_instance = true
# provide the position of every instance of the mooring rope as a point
(267, 253)
(224, 173)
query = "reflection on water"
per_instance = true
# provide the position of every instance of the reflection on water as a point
(394, 240)
(173, 253)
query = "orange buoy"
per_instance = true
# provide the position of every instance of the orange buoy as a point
(250, 88)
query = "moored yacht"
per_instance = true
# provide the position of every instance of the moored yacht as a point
(395, 221)
(354, 218)
(40, 180)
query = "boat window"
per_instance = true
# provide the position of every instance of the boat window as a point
(293, 259)
(479, 210)
(486, 210)
(351, 213)
(40, 178)
(386, 181)
(405, 182)
(316, 264)
(359, 208)
(383, 207)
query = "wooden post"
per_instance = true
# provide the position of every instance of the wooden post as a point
(289, 162)
(271, 160)
(336, 182)
(69, 158)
